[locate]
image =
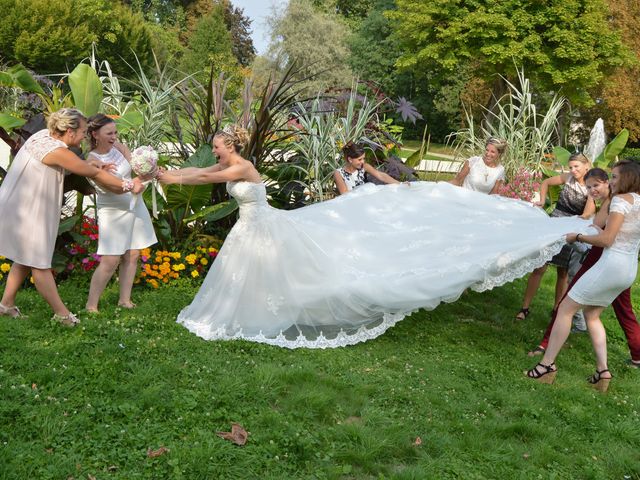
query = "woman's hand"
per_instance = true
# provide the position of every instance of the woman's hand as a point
(166, 177)
(107, 167)
(538, 204)
(138, 186)
(571, 237)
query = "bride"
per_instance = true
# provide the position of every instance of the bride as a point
(344, 271)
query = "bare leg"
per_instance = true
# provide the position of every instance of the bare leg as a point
(128, 268)
(533, 283)
(16, 276)
(562, 281)
(561, 329)
(46, 286)
(100, 278)
(598, 338)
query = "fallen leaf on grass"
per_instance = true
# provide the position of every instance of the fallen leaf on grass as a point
(157, 453)
(525, 455)
(417, 442)
(350, 420)
(237, 435)
(90, 477)
(34, 386)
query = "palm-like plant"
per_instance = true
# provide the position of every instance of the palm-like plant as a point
(529, 133)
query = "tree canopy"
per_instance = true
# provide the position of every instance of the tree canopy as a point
(567, 45)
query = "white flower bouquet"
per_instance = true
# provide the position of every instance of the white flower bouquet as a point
(144, 162)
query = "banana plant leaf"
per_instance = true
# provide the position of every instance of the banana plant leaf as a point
(9, 122)
(215, 212)
(192, 197)
(132, 119)
(414, 159)
(562, 156)
(610, 153)
(86, 89)
(18, 76)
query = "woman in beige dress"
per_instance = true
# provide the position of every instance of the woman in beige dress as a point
(30, 202)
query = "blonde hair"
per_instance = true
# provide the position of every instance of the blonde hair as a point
(579, 157)
(234, 135)
(500, 144)
(65, 119)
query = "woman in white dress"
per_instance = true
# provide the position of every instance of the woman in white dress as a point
(484, 174)
(344, 271)
(355, 169)
(124, 224)
(614, 272)
(30, 203)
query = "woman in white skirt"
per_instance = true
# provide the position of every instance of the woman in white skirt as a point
(124, 224)
(597, 288)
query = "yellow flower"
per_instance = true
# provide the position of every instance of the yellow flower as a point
(195, 274)
(204, 261)
(191, 259)
(5, 267)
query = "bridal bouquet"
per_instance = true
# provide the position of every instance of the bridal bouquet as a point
(144, 162)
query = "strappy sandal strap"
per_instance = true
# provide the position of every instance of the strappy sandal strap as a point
(13, 312)
(68, 320)
(524, 312)
(535, 372)
(596, 377)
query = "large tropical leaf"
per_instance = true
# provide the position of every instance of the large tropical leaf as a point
(610, 153)
(562, 155)
(9, 122)
(213, 213)
(192, 197)
(86, 89)
(18, 76)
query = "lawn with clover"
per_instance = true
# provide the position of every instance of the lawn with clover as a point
(132, 394)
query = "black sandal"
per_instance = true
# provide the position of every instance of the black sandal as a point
(524, 312)
(599, 382)
(546, 374)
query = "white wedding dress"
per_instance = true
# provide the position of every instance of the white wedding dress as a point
(344, 271)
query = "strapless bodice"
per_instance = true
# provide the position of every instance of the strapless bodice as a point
(251, 197)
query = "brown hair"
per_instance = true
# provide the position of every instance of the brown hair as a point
(352, 150)
(234, 135)
(95, 123)
(629, 176)
(598, 174)
(65, 119)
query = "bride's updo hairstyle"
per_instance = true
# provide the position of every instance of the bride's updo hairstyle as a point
(234, 135)
(628, 176)
(499, 143)
(95, 123)
(352, 150)
(65, 119)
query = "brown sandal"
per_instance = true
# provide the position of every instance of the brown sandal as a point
(545, 374)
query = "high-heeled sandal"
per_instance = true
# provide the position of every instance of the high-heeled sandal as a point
(67, 320)
(522, 314)
(546, 374)
(599, 382)
(13, 312)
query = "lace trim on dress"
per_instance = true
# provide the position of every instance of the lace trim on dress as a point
(40, 144)
(508, 271)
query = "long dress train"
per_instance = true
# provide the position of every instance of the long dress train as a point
(344, 271)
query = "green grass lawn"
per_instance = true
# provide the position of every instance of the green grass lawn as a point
(433, 147)
(89, 402)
